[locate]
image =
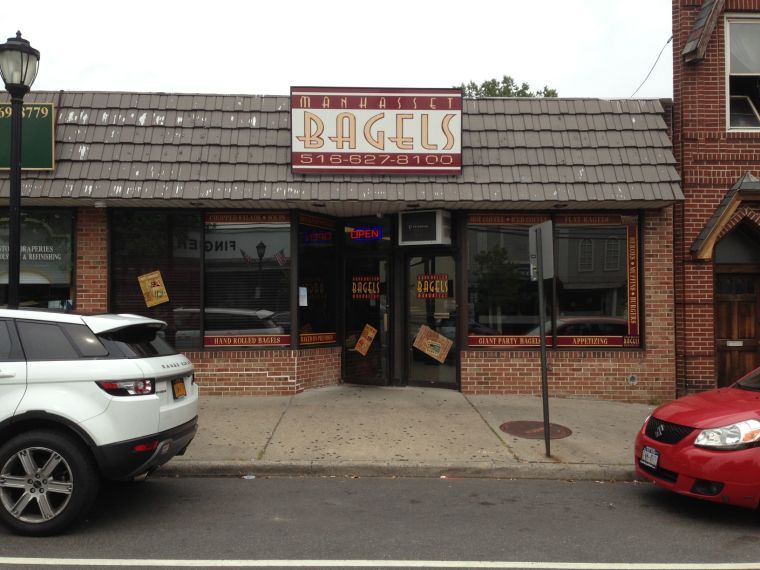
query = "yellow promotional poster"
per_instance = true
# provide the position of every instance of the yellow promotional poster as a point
(433, 344)
(365, 340)
(153, 289)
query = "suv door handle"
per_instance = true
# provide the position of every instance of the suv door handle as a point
(7, 374)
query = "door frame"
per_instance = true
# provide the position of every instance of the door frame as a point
(733, 269)
(349, 256)
(441, 250)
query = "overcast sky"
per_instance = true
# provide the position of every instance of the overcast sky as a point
(582, 48)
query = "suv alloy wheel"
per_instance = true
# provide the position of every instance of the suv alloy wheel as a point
(47, 482)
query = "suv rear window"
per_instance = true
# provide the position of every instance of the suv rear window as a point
(140, 342)
(58, 341)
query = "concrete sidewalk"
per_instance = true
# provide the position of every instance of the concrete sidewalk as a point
(407, 432)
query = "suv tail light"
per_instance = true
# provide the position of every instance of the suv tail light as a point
(140, 387)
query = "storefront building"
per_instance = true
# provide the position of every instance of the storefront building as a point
(716, 135)
(365, 236)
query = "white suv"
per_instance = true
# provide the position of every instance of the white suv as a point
(81, 397)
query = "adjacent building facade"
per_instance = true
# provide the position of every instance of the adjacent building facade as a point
(716, 140)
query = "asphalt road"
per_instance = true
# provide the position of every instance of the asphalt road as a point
(312, 520)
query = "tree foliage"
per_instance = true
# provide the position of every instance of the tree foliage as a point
(507, 87)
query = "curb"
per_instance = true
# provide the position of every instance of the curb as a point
(490, 470)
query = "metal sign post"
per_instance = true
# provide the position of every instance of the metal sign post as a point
(541, 245)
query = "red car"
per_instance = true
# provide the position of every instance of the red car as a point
(706, 445)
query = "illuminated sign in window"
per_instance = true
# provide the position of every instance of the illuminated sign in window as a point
(367, 234)
(317, 236)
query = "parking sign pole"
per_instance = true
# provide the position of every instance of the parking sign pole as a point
(541, 250)
(542, 333)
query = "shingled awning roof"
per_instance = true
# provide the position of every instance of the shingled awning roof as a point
(746, 190)
(227, 151)
(704, 25)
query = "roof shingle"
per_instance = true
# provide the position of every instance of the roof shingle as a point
(583, 152)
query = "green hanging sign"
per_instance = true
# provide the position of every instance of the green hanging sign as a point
(37, 136)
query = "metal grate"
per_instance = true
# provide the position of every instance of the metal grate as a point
(666, 432)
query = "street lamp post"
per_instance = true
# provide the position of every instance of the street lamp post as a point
(19, 62)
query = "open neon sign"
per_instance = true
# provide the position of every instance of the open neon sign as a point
(366, 234)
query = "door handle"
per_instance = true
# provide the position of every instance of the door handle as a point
(7, 374)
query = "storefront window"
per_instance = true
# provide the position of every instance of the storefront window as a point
(46, 258)
(145, 241)
(503, 301)
(592, 289)
(591, 302)
(247, 279)
(317, 290)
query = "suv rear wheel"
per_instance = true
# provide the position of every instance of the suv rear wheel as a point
(47, 482)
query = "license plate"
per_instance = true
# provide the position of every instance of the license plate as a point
(178, 388)
(650, 456)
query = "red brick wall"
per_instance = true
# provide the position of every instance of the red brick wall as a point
(265, 372)
(599, 374)
(710, 161)
(91, 265)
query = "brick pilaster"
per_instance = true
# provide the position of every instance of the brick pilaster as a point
(91, 269)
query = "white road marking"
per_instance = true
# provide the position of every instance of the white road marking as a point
(158, 563)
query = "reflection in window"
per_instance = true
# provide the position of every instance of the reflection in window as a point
(168, 241)
(247, 279)
(46, 254)
(612, 249)
(590, 302)
(502, 298)
(588, 297)
(586, 255)
(744, 73)
(317, 311)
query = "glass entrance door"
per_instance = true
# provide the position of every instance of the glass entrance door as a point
(367, 327)
(431, 320)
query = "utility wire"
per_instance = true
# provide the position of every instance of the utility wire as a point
(653, 66)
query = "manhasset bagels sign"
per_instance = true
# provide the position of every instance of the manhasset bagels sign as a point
(376, 131)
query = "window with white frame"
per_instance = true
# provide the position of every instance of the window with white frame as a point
(743, 70)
